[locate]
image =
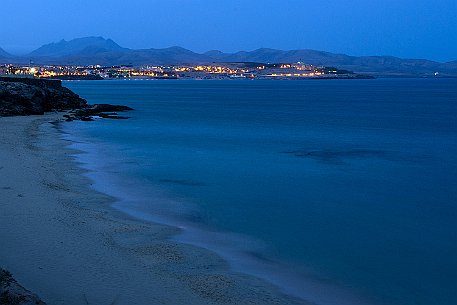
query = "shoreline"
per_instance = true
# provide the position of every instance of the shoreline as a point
(69, 246)
(241, 253)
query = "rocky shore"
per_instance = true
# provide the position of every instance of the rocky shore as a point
(20, 98)
(28, 96)
(11, 293)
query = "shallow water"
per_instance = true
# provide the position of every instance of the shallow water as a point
(349, 183)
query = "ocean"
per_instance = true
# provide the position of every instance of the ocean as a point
(336, 191)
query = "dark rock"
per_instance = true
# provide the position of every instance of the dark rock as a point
(116, 117)
(27, 96)
(63, 99)
(11, 293)
(109, 108)
(105, 111)
(18, 98)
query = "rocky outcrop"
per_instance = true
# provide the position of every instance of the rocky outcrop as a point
(105, 111)
(27, 96)
(11, 293)
(20, 98)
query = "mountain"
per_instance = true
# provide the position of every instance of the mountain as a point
(265, 55)
(320, 58)
(5, 57)
(216, 55)
(87, 45)
(3, 53)
(92, 55)
(451, 65)
(166, 56)
(98, 50)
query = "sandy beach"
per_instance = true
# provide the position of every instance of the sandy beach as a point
(63, 241)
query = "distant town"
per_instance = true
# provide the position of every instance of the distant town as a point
(243, 70)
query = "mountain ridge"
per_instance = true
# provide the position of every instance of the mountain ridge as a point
(98, 50)
(4, 53)
(4, 56)
(64, 48)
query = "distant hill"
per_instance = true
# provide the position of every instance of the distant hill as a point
(5, 56)
(320, 58)
(86, 45)
(452, 65)
(278, 56)
(172, 55)
(3, 53)
(168, 56)
(98, 50)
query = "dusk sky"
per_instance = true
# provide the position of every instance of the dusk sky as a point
(404, 28)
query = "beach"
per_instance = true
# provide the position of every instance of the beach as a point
(62, 240)
(236, 193)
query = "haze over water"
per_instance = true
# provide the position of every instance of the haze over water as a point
(353, 182)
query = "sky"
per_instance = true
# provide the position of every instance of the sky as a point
(404, 28)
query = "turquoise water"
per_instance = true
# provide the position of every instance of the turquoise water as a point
(342, 186)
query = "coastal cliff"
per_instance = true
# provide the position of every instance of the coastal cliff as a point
(23, 96)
